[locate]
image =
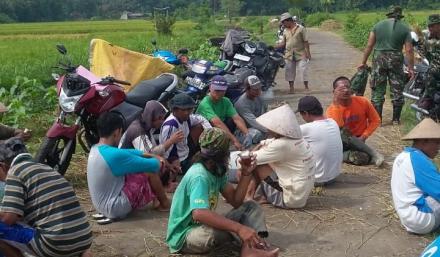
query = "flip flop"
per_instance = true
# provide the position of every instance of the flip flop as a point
(98, 216)
(104, 221)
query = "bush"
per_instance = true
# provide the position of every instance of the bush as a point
(206, 51)
(316, 19)
(163, 23)
(5, 18)
(356, 32)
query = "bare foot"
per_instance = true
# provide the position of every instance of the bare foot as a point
(171, 187)
(162, 207)
(253, 252)
(87, 253)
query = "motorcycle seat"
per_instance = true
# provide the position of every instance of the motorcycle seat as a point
(151, 89)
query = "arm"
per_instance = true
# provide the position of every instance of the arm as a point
(6, 132)
(216, 122)
(373, 121)
(368, 49)
(270, 152)
(241, 125)
(9, 218)
(247, 115)
(426, 175)
(409, 51)
(307, 50)
(166, 133)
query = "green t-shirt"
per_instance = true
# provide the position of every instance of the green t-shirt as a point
(222, 109)
(199, 189)
(390, 36)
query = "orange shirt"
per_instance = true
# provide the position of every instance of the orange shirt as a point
(360, 117)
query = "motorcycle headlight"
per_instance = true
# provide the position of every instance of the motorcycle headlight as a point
(67, 103)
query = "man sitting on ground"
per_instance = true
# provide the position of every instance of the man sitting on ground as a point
(250, 105)
(324, 138)
(121, 180)
(43, 199)
(218, 109)
(415, 181)
(286, 167)
(357, 119)
(193, 226)
(182, 119)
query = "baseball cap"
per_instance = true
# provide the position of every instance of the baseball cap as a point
(308, 103)
(253, 82)
(218, 82)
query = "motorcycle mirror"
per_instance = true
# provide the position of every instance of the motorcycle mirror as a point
(183, 51)
(62, 49)
(153, 41)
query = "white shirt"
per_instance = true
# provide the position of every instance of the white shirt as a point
(406, 193)
(325, 140)
(293, 162)
(171, 125)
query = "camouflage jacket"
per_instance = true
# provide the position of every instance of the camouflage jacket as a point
(430, 49)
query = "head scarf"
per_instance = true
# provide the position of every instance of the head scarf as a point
(214, 145)
(143, 125)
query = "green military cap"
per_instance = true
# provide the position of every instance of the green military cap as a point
(433, 19)
(395, 11)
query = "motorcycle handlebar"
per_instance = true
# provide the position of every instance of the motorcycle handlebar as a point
(110, 80)
(122, 82)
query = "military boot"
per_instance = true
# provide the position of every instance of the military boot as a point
(378, 108)
(397, 110)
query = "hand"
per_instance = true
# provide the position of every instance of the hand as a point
(248, 167)
(247, 141)
(363, 138)
(249, 237)
(411, 73)
(363, 65)
(177, 137)
(309, 57)
(237, 144)
(24, 135)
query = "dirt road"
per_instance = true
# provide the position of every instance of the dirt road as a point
(353, 217)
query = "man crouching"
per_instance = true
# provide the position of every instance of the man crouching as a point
(193, 226)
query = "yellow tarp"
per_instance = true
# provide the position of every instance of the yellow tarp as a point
(123, 64)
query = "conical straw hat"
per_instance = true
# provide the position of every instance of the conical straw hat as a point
(426, 129)
(281, 120)
(3, 108)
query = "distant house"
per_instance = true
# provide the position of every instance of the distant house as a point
(126, 15)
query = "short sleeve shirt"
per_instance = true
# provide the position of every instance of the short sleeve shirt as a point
(391, 35)
(222, 109)
(199, 189)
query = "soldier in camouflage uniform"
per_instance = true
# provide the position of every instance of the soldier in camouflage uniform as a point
(388, 38)
(430, 49)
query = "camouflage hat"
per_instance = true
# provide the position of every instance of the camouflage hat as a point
(433, 19)
(11, 148)
(395, 11)
(213, 140)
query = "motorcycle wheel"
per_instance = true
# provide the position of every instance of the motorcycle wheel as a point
(56, 152)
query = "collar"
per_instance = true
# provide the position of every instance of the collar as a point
(21, 157)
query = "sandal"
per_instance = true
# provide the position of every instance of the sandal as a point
(104, 221)
(98, 216)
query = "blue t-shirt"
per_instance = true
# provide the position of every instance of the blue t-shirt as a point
(106, 170)
(199, 189)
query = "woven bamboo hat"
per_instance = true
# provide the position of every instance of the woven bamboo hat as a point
(426, 129)
(281, 120)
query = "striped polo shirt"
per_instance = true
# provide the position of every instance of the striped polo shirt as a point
(47, 202)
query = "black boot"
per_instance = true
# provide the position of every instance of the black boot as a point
(397, 110)
(378, 108)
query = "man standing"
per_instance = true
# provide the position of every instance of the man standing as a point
(388, 38)
(218, 110)
(194, 227)
(250, 105)
(430, 49)
(357, 119)
(297, 50)
(415, 181)
(286, 167)
(324, 138)
(40, 197)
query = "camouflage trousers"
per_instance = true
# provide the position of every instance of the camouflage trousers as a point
(387, 67)
(432, 83)
(355, 151)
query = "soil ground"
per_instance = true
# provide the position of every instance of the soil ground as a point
(352, 217)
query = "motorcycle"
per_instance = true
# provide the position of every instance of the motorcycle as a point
(415, 88)
(169, 56)
(82, 98)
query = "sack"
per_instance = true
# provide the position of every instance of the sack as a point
(359, 81)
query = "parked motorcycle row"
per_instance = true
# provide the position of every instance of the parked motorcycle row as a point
(415, 88)
(83, 96)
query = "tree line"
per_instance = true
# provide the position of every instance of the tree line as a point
(56, 10)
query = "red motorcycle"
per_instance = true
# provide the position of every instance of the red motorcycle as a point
(82, 98)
